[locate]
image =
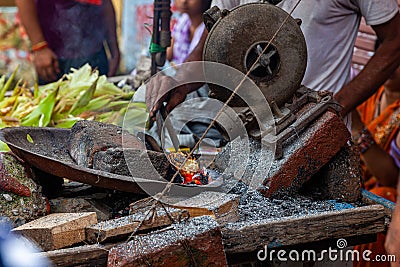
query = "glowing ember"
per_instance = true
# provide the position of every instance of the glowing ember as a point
(190, 171)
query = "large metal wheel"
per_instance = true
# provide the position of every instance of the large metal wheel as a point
(240, 36)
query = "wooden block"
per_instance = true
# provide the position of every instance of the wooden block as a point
(250, 236)
(122, 227)
(57, 230)
(220, 206)
(82, 256)
(372, 199)
(197, 242)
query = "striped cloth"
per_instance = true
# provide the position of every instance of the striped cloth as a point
(183, 46)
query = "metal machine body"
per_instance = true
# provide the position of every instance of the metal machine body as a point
(237, 38)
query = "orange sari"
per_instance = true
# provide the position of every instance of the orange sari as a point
(384, 129)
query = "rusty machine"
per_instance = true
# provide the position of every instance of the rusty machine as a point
(309, 138)
(241, 36)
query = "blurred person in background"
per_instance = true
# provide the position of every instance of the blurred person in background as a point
(67, 34)
(376, 125)
(186, 35)
(188, 29)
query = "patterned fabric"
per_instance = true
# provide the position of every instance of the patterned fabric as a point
(384, 128)
(395, 152)
(183, 46)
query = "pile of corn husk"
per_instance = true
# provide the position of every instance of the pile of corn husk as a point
(82, 94)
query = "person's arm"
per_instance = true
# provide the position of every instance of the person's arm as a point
(112, 40)
(162, 88)
(378, 69)
(170, 50)
(44, 59)
(378, 162)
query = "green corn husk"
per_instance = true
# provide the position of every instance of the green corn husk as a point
(2, 81)
(81, 94)
(83, 101)
(66, 123)
(4, 147)
(8, 83)
(41, 116)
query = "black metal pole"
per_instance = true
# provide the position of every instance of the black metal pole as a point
(161, 32)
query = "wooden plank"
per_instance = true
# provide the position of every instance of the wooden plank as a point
(250, 236)
(197, 242)
(57, 230)
(372, 199)
(222, 207)
(87, 255)
(124, 226)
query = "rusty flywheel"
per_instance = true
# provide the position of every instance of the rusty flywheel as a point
(237, 38)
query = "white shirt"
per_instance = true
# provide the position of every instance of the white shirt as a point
(330, 28)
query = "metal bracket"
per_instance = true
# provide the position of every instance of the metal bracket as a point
(324, 101)
(212, 15)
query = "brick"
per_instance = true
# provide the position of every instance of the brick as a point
(197, 242)
(124, 226)
(16, 207)
(305, 155)
(57, 230)
(340, 178)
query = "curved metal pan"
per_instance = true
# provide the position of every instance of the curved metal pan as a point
(47, 149)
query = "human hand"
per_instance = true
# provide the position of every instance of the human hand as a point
(46, 64)
(161, 89)
(356, 123)
(392, 242)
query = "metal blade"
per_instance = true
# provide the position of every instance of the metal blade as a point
(168, 125)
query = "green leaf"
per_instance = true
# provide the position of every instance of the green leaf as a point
(35, 90)
(4, 147)
(83, 101)
(41, 116)
(99, 103)
(66, 123)
(2, 81)
(29, 138)
(84, 76)
(8, 83)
